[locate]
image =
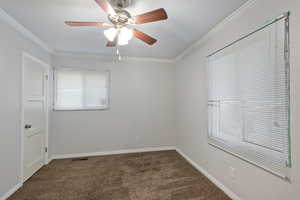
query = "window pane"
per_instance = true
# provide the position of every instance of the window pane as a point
(96, 85)
(231, 124)
(69, 89)
(81, 89)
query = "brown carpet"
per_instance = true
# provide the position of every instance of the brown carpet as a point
(140, 176)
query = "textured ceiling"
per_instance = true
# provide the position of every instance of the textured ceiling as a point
(188, 21)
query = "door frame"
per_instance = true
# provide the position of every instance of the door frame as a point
(47, 68)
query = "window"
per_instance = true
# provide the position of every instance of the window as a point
(81, 89)
(248, 104)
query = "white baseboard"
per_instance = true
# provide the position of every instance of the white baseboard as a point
(225, 189)
(11, 191)
(49, 160)
(103, 153)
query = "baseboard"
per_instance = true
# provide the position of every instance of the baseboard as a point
(18, 186)
(103, 153)
(225, 189)
(11, 191)
(49, 160)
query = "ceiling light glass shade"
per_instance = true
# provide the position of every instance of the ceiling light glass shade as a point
(125, 35)
(110, 34)
(122, 42)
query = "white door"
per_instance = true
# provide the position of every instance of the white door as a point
(34, 115)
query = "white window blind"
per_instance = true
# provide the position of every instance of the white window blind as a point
(81, 89)
(248, 103)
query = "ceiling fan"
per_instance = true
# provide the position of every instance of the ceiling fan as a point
(118, 34)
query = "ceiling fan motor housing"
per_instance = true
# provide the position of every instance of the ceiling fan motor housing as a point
(120, 3)
(121, 19)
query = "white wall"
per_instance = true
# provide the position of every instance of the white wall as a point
(12, 44)
(144, 112)
(250, 183)
(141, 114)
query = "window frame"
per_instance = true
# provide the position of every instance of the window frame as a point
(219, 143)
(92, 108)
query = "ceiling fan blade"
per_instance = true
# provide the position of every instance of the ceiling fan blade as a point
(155, 15)
(108, 9)
(144, 37)
(78, 24)
(110, 44)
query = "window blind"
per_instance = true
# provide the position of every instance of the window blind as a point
(81, 89)
(248, 104)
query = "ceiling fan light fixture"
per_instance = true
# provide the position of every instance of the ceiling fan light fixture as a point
(110, 34)
(123, 42)
(125, 36)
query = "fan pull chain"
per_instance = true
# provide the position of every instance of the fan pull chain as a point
(118, 54)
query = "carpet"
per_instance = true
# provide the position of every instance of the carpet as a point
(163, 175)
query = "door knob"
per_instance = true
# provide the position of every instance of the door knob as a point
(28, 126)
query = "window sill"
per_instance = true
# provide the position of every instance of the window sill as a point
(80, 109)
(217, 143)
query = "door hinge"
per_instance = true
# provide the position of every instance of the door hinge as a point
(46, 149)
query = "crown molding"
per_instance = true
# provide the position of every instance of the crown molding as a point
(86, 55)
(24, 31)
(150, 59)
(238, 12)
